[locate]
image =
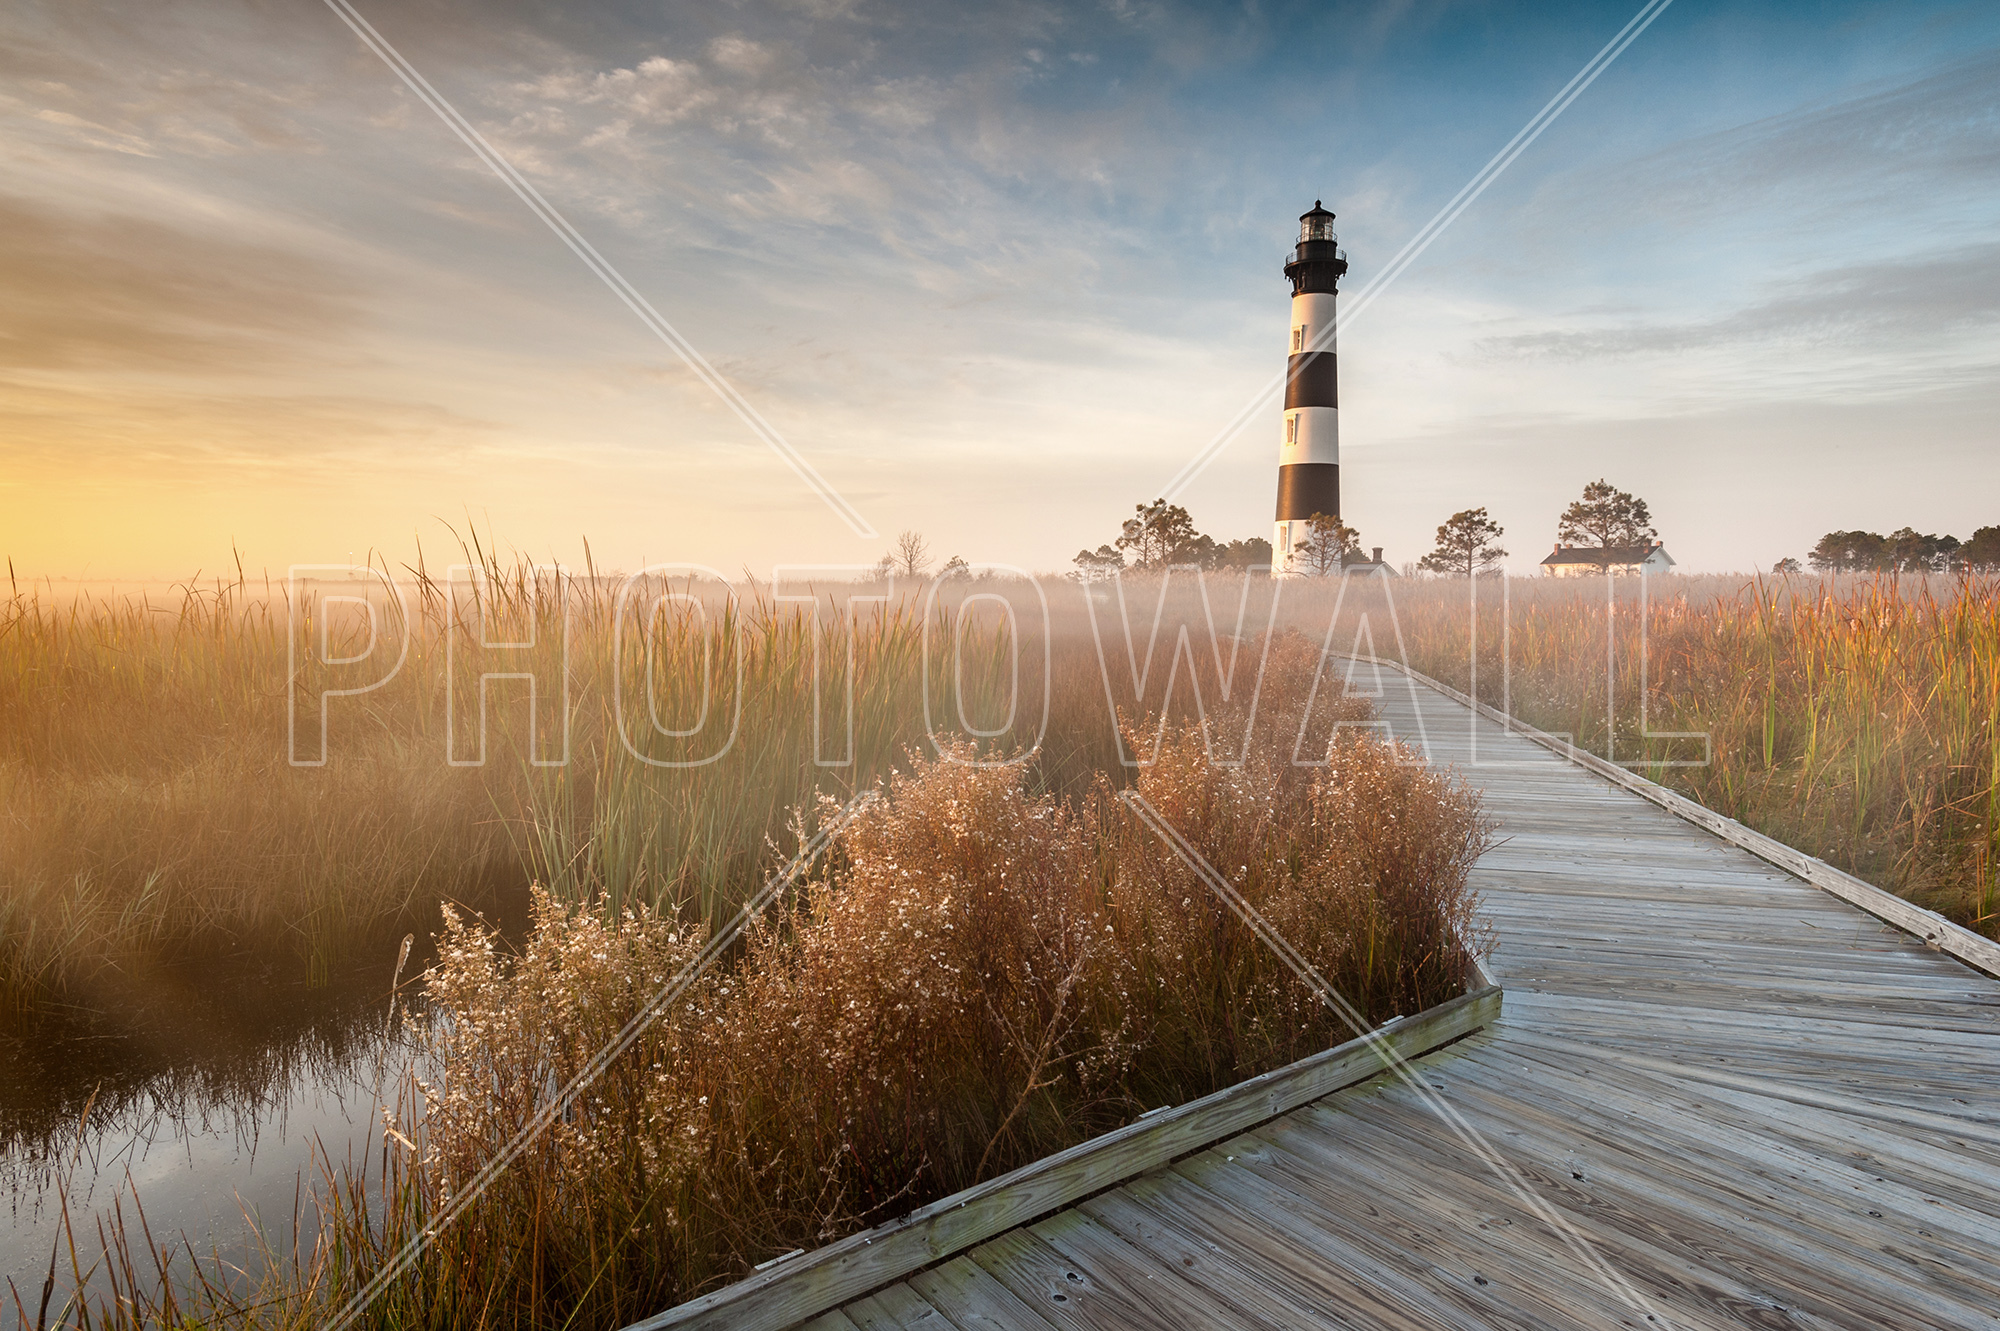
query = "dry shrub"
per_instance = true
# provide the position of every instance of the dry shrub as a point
(979, 976)
(1362, 869)
(1353, 851)
(984, 971)
(508, 1034)
(927, 1004)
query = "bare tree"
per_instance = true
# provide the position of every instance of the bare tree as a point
(1464, 545)
(1327, 547)
(912, 554)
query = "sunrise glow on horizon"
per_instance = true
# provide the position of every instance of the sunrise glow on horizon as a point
(997, 278)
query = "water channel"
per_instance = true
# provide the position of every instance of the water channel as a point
(206, 1092)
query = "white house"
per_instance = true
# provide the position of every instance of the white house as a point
(1572, 561)
(1354, 563)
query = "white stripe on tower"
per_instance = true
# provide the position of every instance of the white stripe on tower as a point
(1309, 449)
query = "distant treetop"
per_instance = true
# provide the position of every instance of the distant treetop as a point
(1465, 545)
(1160, 535)
(1906, 550)
(1606, 516)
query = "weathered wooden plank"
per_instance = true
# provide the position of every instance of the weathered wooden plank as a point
(1140, 1279)
(1630, 1184)
(1661, 1127)
(1788, 1043)
(974, 1300)
(1069, 1294)
(1236, 1274)
(1728, 960)
(1689, 1270)
(1483, 1268)
(1458, 1203)
(1720, 1264)
(1934, 929)
(1360, 1271)
(831, 1321)
(807, 1285)
(1958, 1174)
(897, 1308)
(1852, 1106)
(1922, 1048)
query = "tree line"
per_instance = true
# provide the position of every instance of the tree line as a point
(1905, 551)
(1161, 535)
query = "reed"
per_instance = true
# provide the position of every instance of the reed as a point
(154, 817)
(983, 971)
(1851, 717)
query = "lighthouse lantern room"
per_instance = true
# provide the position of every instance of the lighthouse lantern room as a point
(1309, 450)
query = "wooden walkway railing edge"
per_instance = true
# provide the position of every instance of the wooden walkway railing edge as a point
(1980, 953)
(798, 1288)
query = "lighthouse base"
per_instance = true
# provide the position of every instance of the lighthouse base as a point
(1305, 489)
(1286, 538)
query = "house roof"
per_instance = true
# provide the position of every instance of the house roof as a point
(1598, 556)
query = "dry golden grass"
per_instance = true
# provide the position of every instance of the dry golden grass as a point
(985, 969)
(1851, 717)
(152, 813)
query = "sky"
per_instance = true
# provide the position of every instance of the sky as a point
(996, 273)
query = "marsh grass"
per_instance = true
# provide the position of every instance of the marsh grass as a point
(982, 971)
(152, 813)
(995, 961)
(1853, 718)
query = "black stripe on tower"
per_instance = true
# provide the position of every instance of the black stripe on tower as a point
(1306, 488)
(1312, 380)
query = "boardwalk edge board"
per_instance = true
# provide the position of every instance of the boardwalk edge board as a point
(1982, 954)
(800, 1288)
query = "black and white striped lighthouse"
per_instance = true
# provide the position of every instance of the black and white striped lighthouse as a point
(1309, 454)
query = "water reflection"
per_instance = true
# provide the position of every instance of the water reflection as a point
(204, 1090)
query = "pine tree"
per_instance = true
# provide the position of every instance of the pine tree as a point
(1465, 545)
(1607, 518)
(1326, 547)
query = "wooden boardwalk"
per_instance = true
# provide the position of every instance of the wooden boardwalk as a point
(1727, 1098)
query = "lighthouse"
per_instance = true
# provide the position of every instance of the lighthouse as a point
(1309, 450)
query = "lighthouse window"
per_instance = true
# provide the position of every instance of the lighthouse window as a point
(1291, 429)
(1299, 338)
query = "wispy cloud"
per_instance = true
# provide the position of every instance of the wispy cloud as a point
(1929, 301)
(1871, 169)
(120, 293)
(991, 262)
